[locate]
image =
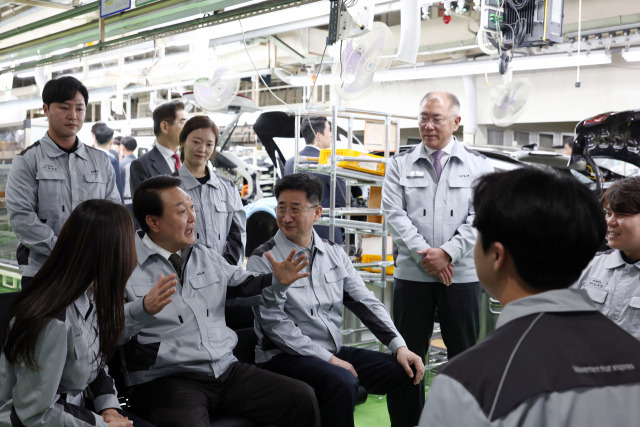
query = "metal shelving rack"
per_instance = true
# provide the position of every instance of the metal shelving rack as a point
(341, 216)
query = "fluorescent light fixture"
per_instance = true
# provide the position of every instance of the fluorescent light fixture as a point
(631, 55)
(438, 71)
(561, 60)
(471, 68)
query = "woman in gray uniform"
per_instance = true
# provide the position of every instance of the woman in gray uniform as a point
(221, 219)
(612, 278)
(66, 325)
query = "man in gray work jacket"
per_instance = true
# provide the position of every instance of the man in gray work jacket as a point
(426, 199)
(51, 177)
(554, 359)
(179, 356)
(298, 327)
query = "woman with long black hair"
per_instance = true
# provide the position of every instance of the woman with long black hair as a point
(65, 325)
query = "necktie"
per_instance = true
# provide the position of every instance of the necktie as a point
(178, 162)
(175, 262)
(437, 155)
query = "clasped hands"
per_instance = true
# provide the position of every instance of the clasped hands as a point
(437, 262)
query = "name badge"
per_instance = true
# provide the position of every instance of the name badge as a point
(415, 174)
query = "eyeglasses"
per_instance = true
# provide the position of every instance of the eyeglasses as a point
(437, 121)
(282, 210)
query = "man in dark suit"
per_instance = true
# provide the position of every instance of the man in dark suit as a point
(103, 135)
(162, 159)
(316, 131)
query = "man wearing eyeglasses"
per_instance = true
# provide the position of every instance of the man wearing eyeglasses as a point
(298, 328)
(426, 198)
(163, 159)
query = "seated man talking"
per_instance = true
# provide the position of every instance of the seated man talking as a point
(298, 327)
(553, 359)
(179, 356)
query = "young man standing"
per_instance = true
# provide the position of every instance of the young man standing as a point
(51, 177)
(553, 359)
(298, 327)
(163, 159)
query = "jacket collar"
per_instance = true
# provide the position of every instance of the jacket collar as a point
(83, 305)
(554, 301)
(615, 260)
(189, 181)
(420, 153)
(51, 149)
(286, 245)
(144, 252)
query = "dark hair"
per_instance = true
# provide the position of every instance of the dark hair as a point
(146, 199)
(96, 125)
(623, 197)
(312, 125)
(195, 123)
(129, 143)
(95, 247)
(550, 223)
(454, 103)
(103, 134)
(165, 112)
(117, 140)
(63, 89)
(311, 185)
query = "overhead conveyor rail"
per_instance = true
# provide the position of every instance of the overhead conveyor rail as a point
(126, 28)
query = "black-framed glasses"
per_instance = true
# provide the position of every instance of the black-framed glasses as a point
(293, 211)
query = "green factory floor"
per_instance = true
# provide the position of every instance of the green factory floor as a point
(373, 412)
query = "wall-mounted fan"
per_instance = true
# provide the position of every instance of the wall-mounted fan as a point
(360, 59)
(216, 92)
(509, 100)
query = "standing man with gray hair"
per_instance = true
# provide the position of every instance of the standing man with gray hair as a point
(427, 199)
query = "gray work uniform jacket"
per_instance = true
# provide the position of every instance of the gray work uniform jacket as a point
(614, 286)
(190, 333)
(305, 318)
(553, 360)
(44, 185)
(54, 395)
(221, 219)
(423, 213)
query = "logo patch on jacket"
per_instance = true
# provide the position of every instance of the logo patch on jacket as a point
(596, 283)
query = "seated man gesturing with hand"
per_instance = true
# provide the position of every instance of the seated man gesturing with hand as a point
(179, 356)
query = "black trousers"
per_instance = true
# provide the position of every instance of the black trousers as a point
(336, 387)
(458, 305)
(262, 396)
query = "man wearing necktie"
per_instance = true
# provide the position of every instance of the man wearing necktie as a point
(178, 351)
(163, 159)
(426, 198)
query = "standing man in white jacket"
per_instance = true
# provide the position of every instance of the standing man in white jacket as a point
(426, 198)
